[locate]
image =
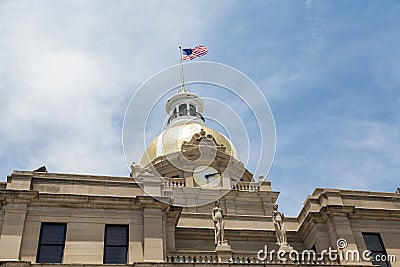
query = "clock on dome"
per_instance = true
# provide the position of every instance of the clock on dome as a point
(207, 177)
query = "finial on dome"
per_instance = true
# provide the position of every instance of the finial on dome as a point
(183, 89)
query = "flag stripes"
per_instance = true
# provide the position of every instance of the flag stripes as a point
(191, 53)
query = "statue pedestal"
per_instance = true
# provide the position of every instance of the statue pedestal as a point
(224, 252)
(285, 247)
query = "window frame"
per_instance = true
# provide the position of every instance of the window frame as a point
(126, 242)
(40, 243)
(381, 244)
(192, 110)
(182, 110)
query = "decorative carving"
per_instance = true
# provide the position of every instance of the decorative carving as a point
(136, 169)
(219, 224)
(202, 139)
(278, 219)
(149, 169)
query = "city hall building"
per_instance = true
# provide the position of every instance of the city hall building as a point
(165, 212)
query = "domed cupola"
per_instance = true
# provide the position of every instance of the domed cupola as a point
(185, 120)
(184, 107)
(175, 151)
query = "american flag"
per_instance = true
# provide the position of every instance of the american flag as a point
(191, 53)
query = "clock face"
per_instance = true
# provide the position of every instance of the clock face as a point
(207, 177)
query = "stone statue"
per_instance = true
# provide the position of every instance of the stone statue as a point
(219, 224)
(280, 230)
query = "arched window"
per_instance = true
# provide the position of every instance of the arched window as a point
(182, 110)
(192, 110)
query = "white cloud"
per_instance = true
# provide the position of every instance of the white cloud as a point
(69, 68)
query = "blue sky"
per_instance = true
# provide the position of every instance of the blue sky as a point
(330, 71)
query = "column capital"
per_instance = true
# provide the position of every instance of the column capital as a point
(19, 197)
(148, 202)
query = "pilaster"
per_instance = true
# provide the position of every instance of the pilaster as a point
(154, 247)
(136, 239)
(341, 233)
(12, 231)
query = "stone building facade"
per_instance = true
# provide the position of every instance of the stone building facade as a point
(161, 214)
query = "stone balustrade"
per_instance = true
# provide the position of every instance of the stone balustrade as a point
(173, 182)
(193, 257)
(247, 186)
(251, 258)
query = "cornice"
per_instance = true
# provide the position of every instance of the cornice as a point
(18, 196)
(85, 201)
(53, 180)
(152, 203)
(322, 215)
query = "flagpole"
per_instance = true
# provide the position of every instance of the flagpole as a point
(183, 78)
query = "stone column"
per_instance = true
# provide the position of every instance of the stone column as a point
(136, 238)
(321, 238)
(12, 231)
(153, 229)
(153, 235)
(171, 220)
(339, 228)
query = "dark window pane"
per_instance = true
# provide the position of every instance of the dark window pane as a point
(375, 245)
(51, 243)
(182, 110)
(192, 110)
(53, 234)
(116, 235)
(115, 255)
(379, 258)
(373, 242)
(50, 254)
(116, 244)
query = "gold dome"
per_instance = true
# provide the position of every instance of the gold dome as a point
(172, 138)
